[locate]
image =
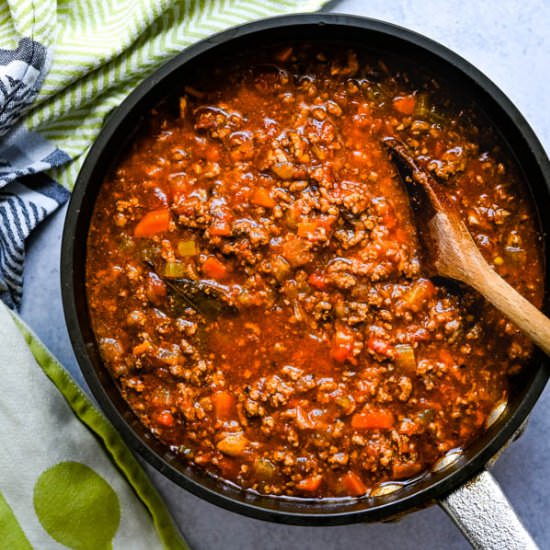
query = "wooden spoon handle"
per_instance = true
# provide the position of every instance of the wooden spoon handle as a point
(509, 301)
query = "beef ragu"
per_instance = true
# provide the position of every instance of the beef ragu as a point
(256, 287)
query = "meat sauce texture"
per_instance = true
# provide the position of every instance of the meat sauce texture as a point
(340, 364)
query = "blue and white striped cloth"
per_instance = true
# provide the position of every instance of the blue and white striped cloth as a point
(24, 203)
(27, 194)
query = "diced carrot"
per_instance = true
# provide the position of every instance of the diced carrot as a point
(212, 153)
(165, 419)
(372, 420)
(152, 223)
(220, 227)
(261, 197)
(223, 404)
(380, 346)
(353, 484)
(284, 170)
(317, 281)
(404, 104)
(142, 348)
(309, 484)
(307, 228)
(155, 288)
(342, 347)
(342, 353)
(403, 471)
(215, 269)
(446, 357)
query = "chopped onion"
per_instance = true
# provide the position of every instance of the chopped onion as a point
(174, 270)
(188, 248)
(264, 469)
(233, 444)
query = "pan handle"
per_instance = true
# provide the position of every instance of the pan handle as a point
(482, 512)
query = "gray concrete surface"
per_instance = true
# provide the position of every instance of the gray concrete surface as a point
(509, 41)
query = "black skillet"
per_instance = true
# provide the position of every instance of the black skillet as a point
(457, 486)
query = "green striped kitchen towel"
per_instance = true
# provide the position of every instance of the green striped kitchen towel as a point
(67, 480)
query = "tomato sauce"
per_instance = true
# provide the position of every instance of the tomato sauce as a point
(256, 286)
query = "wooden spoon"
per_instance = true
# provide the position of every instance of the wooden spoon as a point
(450, 251)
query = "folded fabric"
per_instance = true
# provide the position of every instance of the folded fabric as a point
(23, 205)
(66, 477)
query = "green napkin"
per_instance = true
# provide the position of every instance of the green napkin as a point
(67, 480)
(65, 473)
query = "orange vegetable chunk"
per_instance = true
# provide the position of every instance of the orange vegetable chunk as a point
(404, 104)
(214, 269)
(154, 222)
(403, 471)
(372, 420)
(165, 419)
(261, 197)
(353, 484)
(223, 404)
(310, 484)
(317, 281)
